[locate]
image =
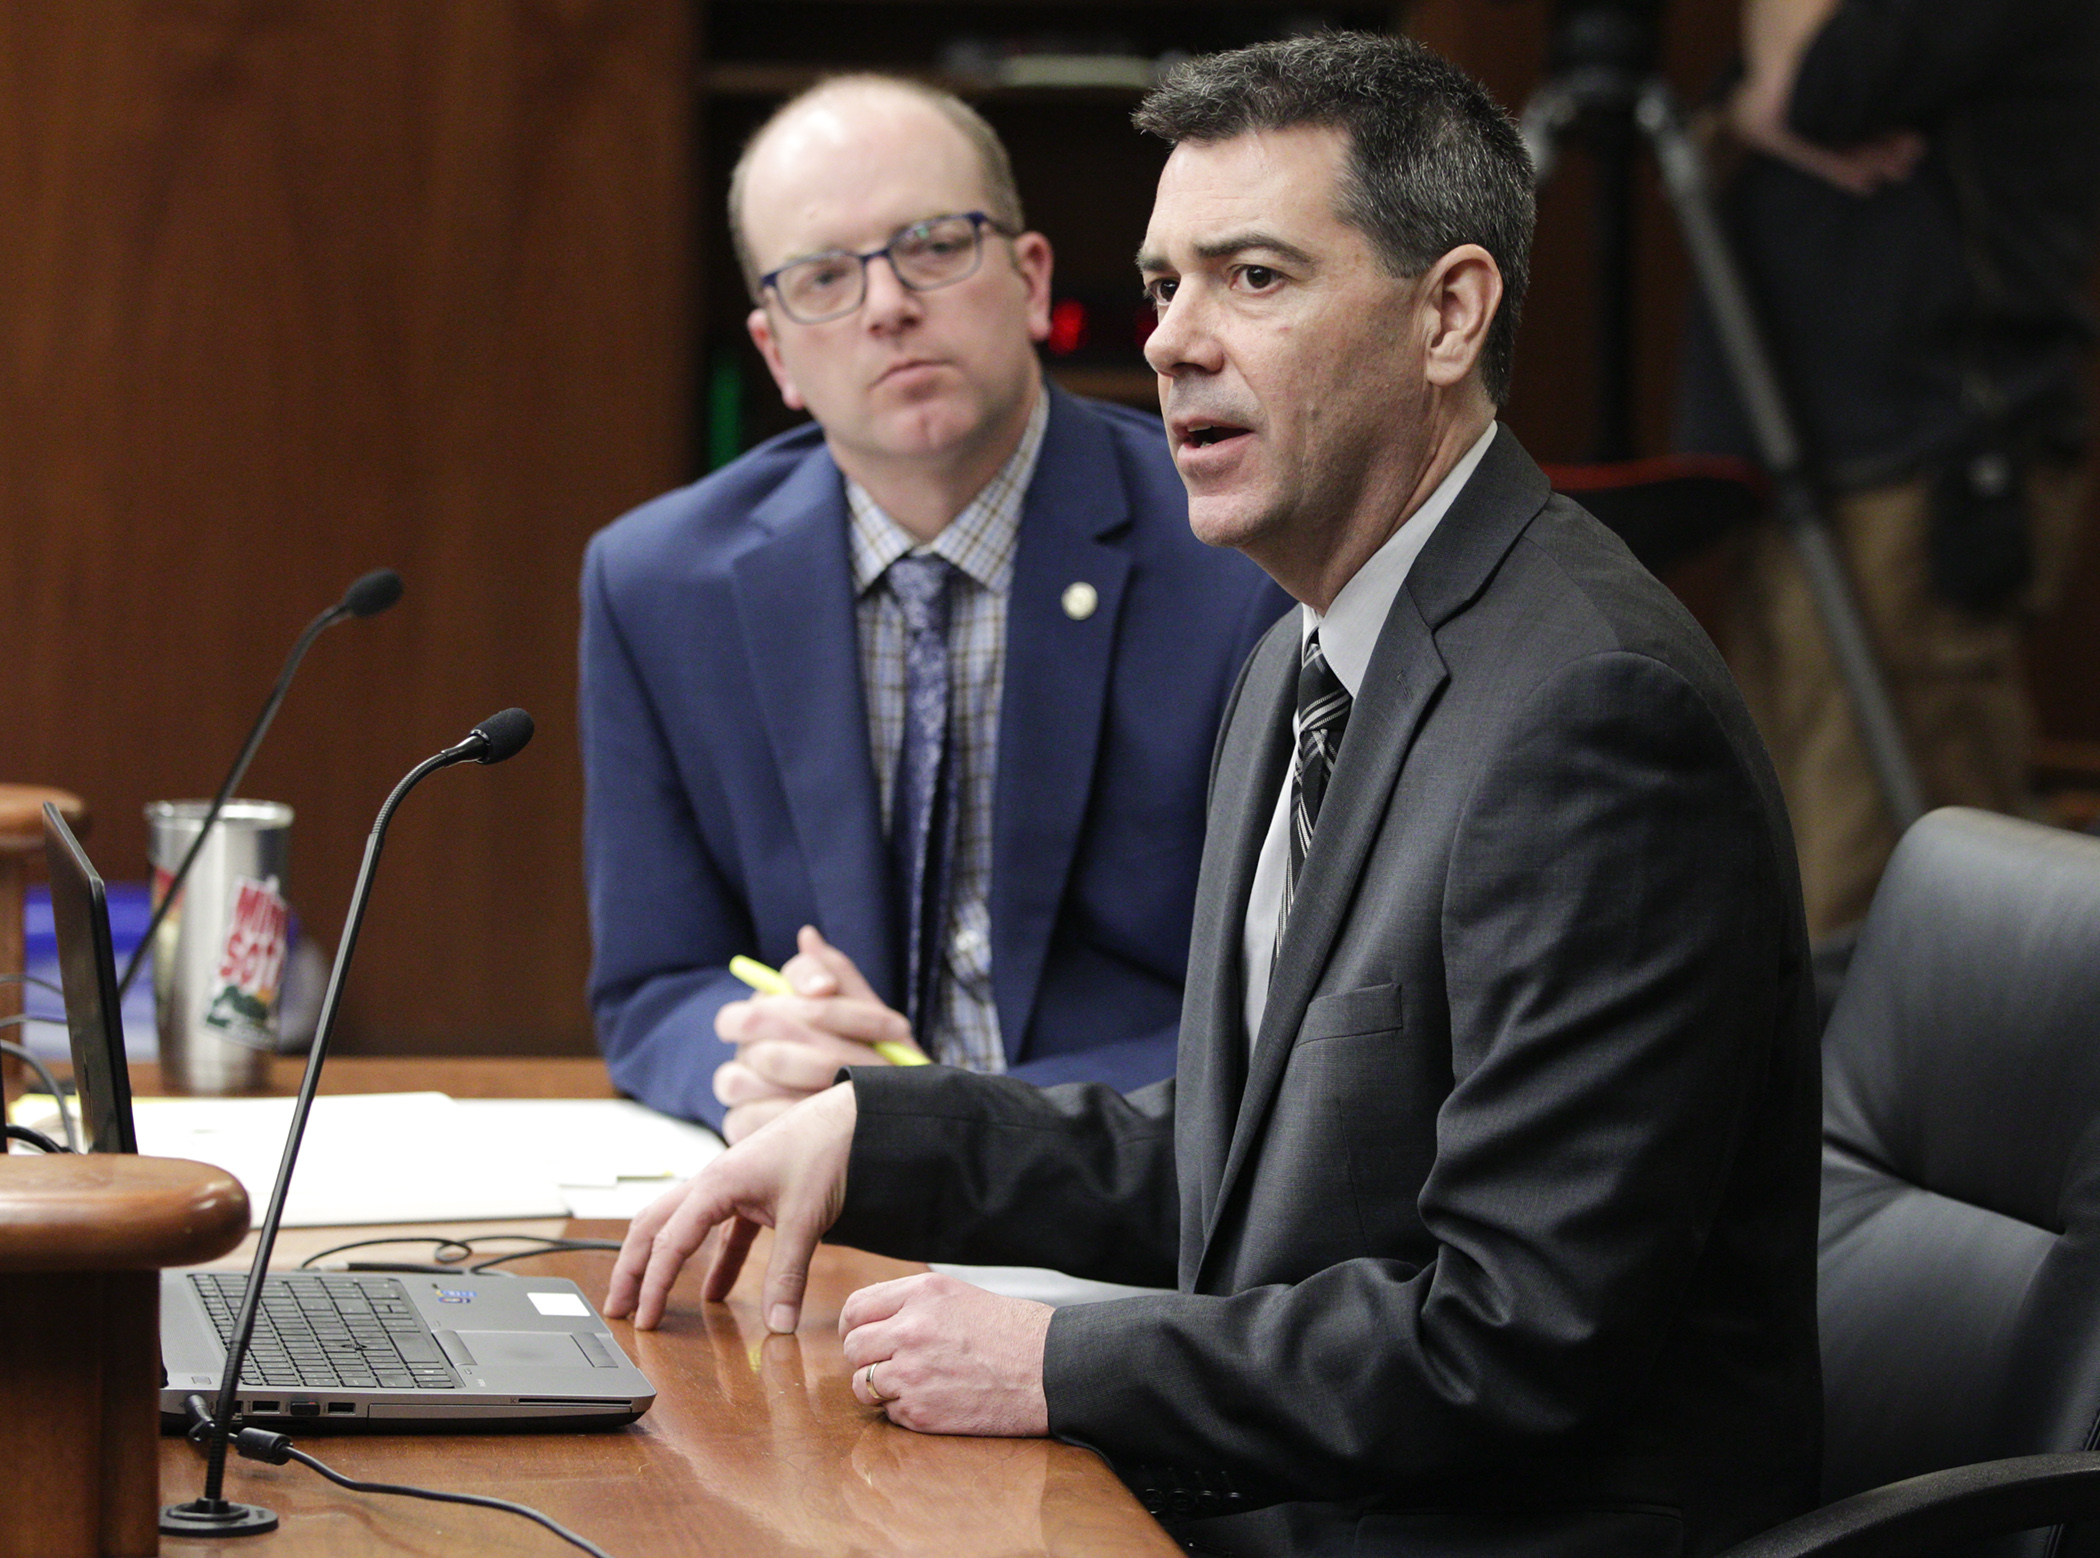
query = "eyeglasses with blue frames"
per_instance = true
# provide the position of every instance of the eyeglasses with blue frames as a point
(937, 252)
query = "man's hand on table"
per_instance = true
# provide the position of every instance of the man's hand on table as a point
(789, 1176)
(948, 1358)
(943, 1357)
(789, 1047)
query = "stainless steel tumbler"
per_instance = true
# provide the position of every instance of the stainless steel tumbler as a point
(219, 956)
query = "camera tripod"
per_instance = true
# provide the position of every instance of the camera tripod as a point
(1605, 84)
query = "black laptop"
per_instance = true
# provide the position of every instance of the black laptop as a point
(379, 1350)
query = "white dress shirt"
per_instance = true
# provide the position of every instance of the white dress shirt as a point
(1348, 633)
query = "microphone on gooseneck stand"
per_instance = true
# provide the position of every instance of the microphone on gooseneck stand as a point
(368, 597)
(496, 738)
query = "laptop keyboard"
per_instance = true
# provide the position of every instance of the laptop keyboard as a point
(315, 1330)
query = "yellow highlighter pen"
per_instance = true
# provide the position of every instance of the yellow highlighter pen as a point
(767, 981)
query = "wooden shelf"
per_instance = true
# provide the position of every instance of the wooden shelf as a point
(1131, 386)
(766, 80)
(2074, 762)
(2066, 776)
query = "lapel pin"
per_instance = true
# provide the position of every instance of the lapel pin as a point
(1080, 600)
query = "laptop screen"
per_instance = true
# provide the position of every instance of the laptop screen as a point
(87, 967)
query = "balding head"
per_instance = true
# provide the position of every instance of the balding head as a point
(922, 386)
(835, 113)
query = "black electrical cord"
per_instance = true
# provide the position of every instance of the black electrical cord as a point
(465, 1249)
(259, 1444)
(36, 1139)
(552, 1247)
(43, 1075)
(452, 1252)
(357, 1486)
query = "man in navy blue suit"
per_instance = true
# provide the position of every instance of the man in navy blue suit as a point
(936, 677)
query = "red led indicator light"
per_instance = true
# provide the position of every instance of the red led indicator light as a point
(1068, 327)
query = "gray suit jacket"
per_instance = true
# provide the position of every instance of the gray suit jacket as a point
(1505, 1240)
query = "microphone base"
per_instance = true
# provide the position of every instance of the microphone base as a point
(216, 1517)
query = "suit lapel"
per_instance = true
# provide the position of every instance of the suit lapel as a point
(1249, 768)
(795, 604)
(1406, 673)
(1400, 685)
(1073, 531)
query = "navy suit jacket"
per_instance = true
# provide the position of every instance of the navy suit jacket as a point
(731, 797)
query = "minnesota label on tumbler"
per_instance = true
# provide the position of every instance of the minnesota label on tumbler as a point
(245, 1008)
(219, 956)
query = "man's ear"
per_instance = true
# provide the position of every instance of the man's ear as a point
(761, 328)
(1459, 296)
(1032, 262)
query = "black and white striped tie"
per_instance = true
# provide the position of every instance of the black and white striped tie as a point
(1323, 710)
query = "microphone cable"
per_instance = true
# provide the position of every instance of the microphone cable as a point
(36, 1139)
(449, 1255)
(29, 1058)
(259, 1444)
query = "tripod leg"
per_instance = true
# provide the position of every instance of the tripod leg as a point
(1779, 446)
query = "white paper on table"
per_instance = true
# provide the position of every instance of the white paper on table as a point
(610, 1156)
(365, 1158)
(1044, 1286)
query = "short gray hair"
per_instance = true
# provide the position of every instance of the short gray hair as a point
(1002, 196)
(1433, 162)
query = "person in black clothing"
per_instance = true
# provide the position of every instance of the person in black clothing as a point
(1917, 218)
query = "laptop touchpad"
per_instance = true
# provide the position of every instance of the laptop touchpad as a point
(533, 1349)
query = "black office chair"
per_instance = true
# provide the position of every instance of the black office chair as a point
(1959, 1282)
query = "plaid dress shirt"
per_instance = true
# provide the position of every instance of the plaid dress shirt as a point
(980, 543)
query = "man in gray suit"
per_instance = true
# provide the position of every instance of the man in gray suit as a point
(1488, 1181)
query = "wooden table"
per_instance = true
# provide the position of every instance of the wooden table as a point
(755, 1444)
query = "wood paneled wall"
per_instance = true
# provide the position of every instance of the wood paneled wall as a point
(291, 290)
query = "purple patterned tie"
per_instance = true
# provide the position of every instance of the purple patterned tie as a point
(922, 813)
(1323, 713)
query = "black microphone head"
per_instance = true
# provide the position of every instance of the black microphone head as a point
(372, 594)
(506, 735)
